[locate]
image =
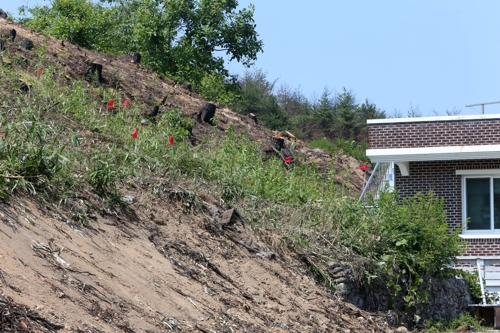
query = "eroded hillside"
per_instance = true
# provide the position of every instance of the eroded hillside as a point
(171, 259)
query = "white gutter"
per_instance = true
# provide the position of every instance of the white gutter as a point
(432, 119)
(433, 153)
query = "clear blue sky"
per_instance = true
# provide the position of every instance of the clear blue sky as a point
(434, 55)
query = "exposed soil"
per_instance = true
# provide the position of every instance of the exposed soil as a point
(166, 262)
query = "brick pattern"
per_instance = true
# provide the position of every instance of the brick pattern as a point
(440, 177)
(434, 134)
(483, 247)
(463, 265)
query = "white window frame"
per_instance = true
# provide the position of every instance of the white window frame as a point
(485, 173)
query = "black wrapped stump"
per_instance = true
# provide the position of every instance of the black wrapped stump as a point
(208, 113)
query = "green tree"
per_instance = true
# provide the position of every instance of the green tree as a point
(298, 110)
(257, 97)
(78, 21)
(187, 39)
(293, 101)
(345, 114)
(364, 112)
(324, 111)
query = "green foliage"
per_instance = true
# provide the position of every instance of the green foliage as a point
(37, 152)
(178, 125)
(324, 113)
(472, 280)
(213, 88)
(257, 97)
(103, 174)
(334, 122)
(178, 37)
(79, 21)
(418, 230)
(29, 156)
(414, 242)
(341, 117)
(463, 323)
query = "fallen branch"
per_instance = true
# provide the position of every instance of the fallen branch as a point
(17, 317)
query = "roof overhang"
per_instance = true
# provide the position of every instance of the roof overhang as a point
(402, 156)
(434, 153)
(431, 119)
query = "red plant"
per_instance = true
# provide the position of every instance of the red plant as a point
(170, 141)
(287, 159)
(40, 71)
(125, 102)
(363, 166)
(135, 133)
(111, 104)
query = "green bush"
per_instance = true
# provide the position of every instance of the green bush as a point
(30, 156)
(413, 241)
(213, 88)
(463, 323)
(104, 174)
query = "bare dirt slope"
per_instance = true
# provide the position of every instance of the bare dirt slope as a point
(171, 262)
(162, 270)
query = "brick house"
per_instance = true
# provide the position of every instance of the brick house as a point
(457, 157)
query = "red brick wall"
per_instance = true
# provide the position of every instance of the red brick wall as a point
(440, 177)
(434, 134)
(483, 247)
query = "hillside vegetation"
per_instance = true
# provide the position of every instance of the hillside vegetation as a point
(189, 42)
(118, 221)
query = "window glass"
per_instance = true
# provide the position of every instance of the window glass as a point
(496, 202)
(478, 203)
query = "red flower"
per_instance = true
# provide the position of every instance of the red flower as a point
(125, 102)
(39, 72)
(363, 166)
(111, 104)
(135, 133)
(288, 159)
(170, 141)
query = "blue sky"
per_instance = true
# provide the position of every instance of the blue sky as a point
(434, 55)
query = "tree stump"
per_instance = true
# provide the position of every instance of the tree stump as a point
(187, 86)
(3, 14)
(93, 71)
(27, 44)
(253, 117)
(208, 113)
(154, 113)
(136, 57)
(278, 143)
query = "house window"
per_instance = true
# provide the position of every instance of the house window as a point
(481, 203)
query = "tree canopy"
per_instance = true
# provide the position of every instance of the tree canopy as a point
(186, 39)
